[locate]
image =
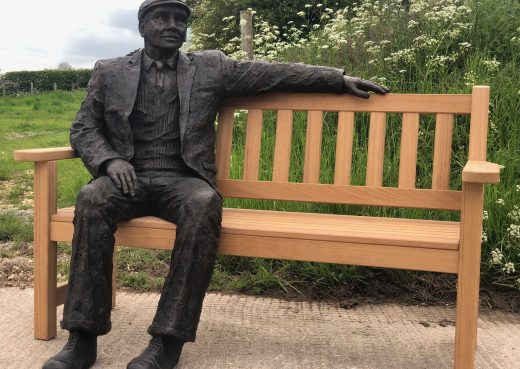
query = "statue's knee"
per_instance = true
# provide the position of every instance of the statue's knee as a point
(90, 199)
(206, 202)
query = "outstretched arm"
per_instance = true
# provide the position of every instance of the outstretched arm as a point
(256, 77)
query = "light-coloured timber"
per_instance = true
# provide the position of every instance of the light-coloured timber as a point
(479, 123)
(408, 158)
(469, 276)
(57, 153)
(442, 152)
(334, 194)
(338, 228)
(224, 142)
(376, 150)
(481, 172)
(311, 168)
(253, 145)
(282, 148)
(345, 137)
(45, 252)
(390, 103)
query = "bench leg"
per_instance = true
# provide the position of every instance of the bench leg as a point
(469, 277)
(114, 277)
(45, 251)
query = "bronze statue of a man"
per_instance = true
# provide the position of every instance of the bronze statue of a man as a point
(146, 133)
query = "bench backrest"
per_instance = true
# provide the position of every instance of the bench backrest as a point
(405, 194)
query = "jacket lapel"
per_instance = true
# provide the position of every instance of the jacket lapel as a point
(132, 71)
(185, 74)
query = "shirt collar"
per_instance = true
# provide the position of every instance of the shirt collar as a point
(171, 61)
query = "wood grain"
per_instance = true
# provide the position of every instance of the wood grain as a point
(344, 142)
(282, 148)
(253, 145)
(224, 142)
(311, 169)
(408, 155)
(390, 103)
(442, 152)
(376, 150)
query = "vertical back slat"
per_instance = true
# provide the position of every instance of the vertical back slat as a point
(224, 141)
(253, 145)
(479, 123)
(376, 150)
(344, 141)
(282, 148)
(442, 153)
(311, 170)
(408, 157)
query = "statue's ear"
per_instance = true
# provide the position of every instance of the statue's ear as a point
(141, 27)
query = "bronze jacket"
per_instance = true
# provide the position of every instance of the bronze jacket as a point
(101, 130)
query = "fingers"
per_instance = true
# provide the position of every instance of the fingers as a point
(114, 177)
(123, 175)
(124, 183)
(370, 86)
(130, 185)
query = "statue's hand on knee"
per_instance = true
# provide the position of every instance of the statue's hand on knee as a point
(123, 175)
(361, 87)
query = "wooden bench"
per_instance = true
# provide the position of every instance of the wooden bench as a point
(440, 246)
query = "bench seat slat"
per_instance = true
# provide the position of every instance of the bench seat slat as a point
(308, 226)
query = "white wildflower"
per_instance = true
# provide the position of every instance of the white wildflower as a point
(509, 268)
(514, 214)
(500, 201)
(301, 14)
(485, 215)
(496, 257)
(517, 188)
(514, 231)
(484, 238)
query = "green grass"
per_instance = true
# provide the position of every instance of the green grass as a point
(14, 227)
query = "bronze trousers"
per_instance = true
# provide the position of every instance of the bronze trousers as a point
(189, 202)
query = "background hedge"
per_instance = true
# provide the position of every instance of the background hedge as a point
(20, 82)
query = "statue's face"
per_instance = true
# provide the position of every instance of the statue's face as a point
(165, 27)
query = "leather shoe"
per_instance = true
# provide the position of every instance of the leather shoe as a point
(79, 352)
(163, 352)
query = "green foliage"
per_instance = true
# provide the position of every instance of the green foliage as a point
(15, 227)
(20, 82)
(216, 22)
(442, 46)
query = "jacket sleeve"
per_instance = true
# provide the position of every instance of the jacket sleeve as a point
(88, 131)
(256, 77)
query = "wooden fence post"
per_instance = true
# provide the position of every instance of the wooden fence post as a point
(32, 88)
(3, 91)
(55, 86)
(246, 30)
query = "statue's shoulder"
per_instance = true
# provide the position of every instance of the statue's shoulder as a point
(204, 56)
(117, 62)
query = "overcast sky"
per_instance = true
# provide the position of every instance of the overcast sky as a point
(40, 34)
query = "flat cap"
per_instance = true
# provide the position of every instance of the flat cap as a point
(148, 4)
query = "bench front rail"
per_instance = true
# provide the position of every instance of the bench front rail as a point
(429, 245)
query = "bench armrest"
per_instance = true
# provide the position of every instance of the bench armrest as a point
(481, 172)
(56, 153)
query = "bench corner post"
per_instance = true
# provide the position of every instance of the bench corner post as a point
(45, 251)
(469, 276)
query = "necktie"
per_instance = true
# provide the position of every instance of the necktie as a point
(159, 79)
